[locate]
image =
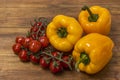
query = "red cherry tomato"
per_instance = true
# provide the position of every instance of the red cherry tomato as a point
(34, 59)
(34, 36)
(26, 42)
(44, 41)
(34, 29)
(23, 56)
(44, 62)
(65, 58)
(55, 54)
(39, 23)
(16, 48)
(34, 46)
(55, 67)
(20, 39)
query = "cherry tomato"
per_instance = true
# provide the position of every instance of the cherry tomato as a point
(26, 42)
(16, 48)
(44, 62)
(44, 41)
(55, 67)
(23, 56)
(34, 46)
(34, 59)
(42, 28)
(39, 23)
(65, 58)
(55, 54)
(34, 36)
(34, 29)
(20, 39)
(36, 24)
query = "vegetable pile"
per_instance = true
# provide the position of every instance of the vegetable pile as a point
(35, 47)
(59, 44)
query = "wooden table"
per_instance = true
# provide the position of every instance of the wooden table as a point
(15, 16)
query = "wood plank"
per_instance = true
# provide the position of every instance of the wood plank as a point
(13, 31)
(19, 13)
(23, 19)
(2, 3)
(36, 3)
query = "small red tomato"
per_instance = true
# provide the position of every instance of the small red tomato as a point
(34, 36)
(20, 39)
(44, 62)
(34, 46)
(43, 28)
(44, 41)
(34, 29)
(26, 42)
(16, 48)
(23, 56)
(34, 59)
(65, 58)
(39, 23)
(55, 54)
(55, 67)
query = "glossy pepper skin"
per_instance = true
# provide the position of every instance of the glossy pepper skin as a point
(63, 32)
(92, 53)
(100, 24)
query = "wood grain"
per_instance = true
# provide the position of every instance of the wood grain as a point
(15, 17)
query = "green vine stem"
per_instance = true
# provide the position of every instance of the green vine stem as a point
(59, 58)
(92, 17)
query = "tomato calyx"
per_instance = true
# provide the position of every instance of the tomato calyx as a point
(55, 67)
(55, 64)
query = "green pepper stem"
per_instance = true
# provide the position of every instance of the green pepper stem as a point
(92, 17)
(77, 65)
(62, 32)
(89, 11)
(84, 58)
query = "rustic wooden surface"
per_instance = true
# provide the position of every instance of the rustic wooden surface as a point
(15, 16)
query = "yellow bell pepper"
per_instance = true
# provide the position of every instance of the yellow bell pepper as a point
(92, 53)
(63, 32)
(95, 19)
